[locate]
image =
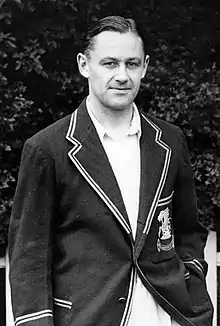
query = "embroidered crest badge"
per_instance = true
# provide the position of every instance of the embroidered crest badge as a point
(165, 238)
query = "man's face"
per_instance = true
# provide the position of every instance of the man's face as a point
(114, 69)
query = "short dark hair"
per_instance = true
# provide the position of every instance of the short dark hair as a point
(112, 24)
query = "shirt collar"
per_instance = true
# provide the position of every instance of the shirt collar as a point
(135, 125)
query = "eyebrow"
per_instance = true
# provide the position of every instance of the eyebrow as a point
(116, 60)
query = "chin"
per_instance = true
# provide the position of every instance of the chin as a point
(120, 107)
(121, 104)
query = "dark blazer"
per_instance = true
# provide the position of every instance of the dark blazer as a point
(73, 259)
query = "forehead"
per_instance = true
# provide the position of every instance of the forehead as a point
(114, 44)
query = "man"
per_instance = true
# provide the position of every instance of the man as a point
(104, 227)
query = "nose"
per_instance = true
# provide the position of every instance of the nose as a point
(121, 74)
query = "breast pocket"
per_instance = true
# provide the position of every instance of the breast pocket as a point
(164, 237)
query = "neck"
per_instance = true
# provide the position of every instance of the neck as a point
(115, 120)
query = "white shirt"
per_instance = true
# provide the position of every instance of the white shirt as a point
(124, 157)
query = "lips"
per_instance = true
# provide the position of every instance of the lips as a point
(121, 89)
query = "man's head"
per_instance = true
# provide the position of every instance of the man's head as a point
(112, 24)
(114, 61)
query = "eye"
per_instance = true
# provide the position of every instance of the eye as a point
(132, 65)
(110, 64)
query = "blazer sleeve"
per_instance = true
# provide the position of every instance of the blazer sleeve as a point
(190, 235)
(30, 242)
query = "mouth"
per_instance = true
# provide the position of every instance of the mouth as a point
(120, 89)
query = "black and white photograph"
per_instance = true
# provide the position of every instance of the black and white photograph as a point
(109, 163)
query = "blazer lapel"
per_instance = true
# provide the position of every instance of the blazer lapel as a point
(89, 157)
(155, 159)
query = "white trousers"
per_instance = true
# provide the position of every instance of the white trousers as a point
(145, 310)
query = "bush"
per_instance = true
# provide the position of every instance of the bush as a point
(40, 82)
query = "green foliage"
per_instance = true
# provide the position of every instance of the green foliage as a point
(192, 102)
(40, 83)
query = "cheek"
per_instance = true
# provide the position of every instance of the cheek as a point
(136, 82)
(135, 77)
(99, 79)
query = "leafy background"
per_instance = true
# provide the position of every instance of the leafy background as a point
(40, 83)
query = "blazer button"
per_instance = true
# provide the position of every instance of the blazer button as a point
(122, 300)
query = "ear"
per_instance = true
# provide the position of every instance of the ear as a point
(146, 62)
(82, 62)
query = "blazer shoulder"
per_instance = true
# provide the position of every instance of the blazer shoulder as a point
(171, 134)
(167, 128)
(52, 136)
(162, 124)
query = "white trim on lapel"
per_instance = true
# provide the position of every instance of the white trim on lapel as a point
(128, 306)
(163, 175)
(165, 201)
(87, 176)
(69, 135)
